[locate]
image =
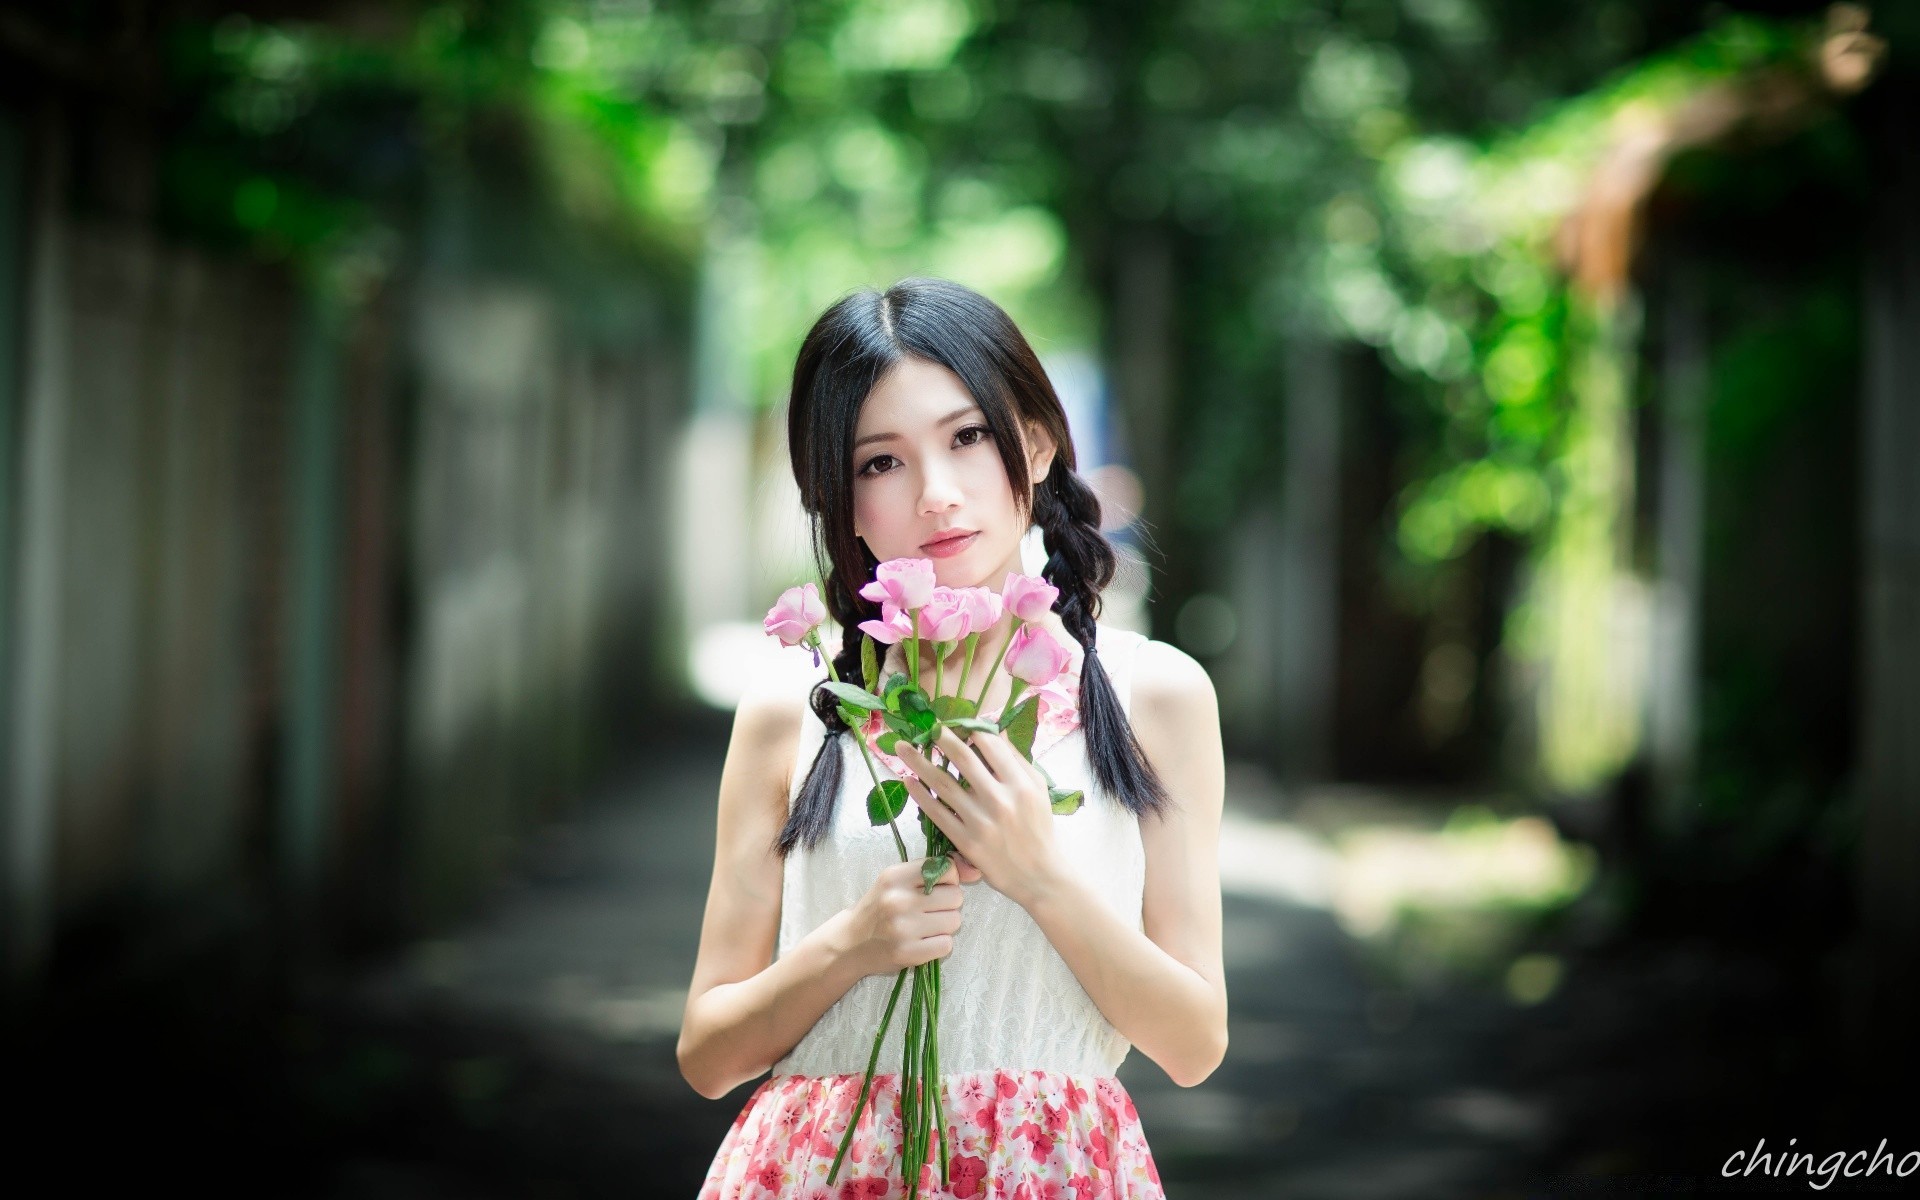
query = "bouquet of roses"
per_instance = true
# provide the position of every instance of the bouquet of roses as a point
(885, 712)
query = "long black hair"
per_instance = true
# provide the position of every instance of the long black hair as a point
(853, 344)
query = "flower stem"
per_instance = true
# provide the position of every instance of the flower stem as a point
(933, 1069)
(873, 1061)
(966, 665)
(998, 659)
(874, 771)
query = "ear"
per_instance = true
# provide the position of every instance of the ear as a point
(1040, 451)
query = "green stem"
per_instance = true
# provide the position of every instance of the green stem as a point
(939, 665)
(913, 648)
(998, 659)
(874, 772)
(933, 1072)
(909, 1079)
(873, 1061)
(966, 665)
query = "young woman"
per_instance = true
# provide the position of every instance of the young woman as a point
(921, 425)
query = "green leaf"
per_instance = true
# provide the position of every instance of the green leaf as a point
(974, 724)
(1021, 724)
(859, 697)
(933, 868)
(887, 741)
(854, 717)
(901, 726)
(1065, 803)
(869, 664)
(950, 708)
(886, 801)
(913, 699)
(896, 683)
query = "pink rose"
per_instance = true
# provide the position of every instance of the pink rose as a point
(795, 615)
(904, 582)
(894, 626)
(984, 608)
(1034, 656)
(944, 616)
(1027, 596)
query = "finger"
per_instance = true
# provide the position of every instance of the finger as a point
(968, 872)
(1005, 761)
(945, 895)
(945, 788)
(937, 810)
(962, 755)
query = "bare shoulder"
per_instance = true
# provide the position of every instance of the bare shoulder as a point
(766, 731)
(1176, 716)
(1169, 684)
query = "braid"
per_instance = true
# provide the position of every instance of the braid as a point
(812, 811)
(1081, 562)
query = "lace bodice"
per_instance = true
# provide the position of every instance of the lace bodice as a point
(1007, 998)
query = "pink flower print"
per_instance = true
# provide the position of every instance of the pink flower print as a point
(1076, 1095)
(1101, 1148)
(974, 1091)
(872, 1187)
(1007, 1084)
(1059, 701)
(1039, 1141)
(1083, 1187)
(1055, 1117)
(964, 1172)
(1025, 1191)
(767, 1175)
(870, 731)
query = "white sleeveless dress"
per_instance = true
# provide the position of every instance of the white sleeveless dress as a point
(1027, 1060)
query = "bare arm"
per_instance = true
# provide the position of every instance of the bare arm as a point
(1164, 988)
(746, 1008)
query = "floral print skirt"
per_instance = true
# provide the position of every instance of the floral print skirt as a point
(1011, 1135)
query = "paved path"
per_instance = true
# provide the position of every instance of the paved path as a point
(531, 1053)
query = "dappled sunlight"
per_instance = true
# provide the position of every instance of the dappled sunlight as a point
(1432, 898)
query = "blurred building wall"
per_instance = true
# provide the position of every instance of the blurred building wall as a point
(316, 604)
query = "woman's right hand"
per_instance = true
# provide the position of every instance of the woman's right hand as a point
(899, 924)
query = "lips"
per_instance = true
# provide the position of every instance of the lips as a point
(951, 542)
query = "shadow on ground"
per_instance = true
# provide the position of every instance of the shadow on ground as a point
(530, 1054)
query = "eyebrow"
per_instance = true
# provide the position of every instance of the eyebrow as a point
(951, 417)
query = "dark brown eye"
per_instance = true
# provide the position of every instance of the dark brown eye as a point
(982, 430)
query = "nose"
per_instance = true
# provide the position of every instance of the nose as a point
(939, 491)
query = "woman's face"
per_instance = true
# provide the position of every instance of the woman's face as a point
(925, 463)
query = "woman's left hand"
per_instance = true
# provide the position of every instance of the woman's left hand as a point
(1002, 822)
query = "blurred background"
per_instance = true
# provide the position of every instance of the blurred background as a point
(1512, 405)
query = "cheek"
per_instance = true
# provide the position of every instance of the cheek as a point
(875, 509)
